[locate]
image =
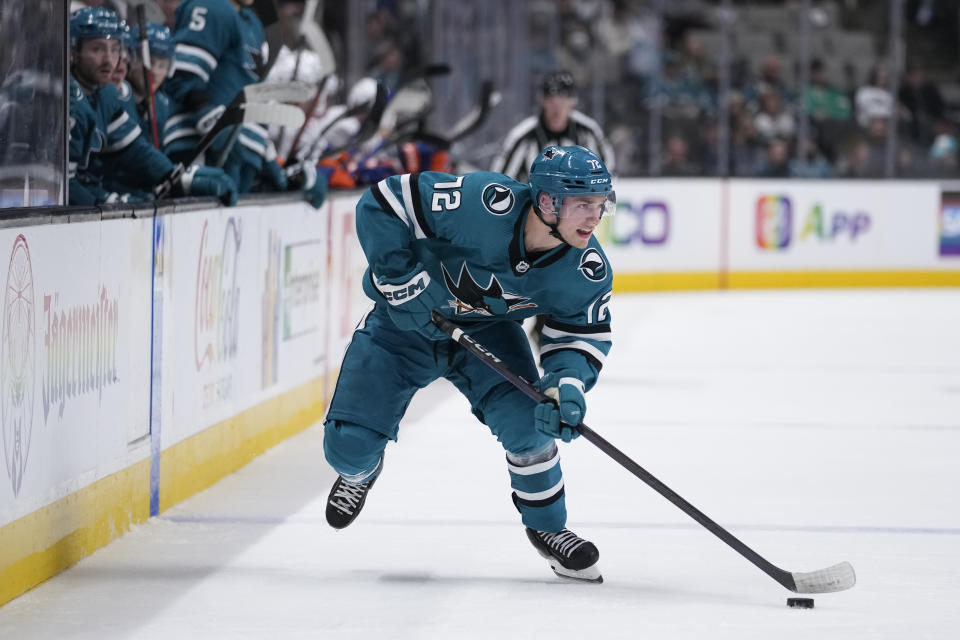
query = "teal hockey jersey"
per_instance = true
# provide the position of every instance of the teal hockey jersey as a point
(106, 140)
(467, 232)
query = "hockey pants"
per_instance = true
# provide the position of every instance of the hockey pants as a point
(383, 368)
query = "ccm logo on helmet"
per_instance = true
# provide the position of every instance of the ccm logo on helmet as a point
(400, 293)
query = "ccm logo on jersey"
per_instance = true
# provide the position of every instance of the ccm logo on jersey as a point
(400, 293)
(592, 265)
(497, 199)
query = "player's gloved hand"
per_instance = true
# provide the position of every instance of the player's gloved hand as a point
(208, 117)
(305, 177)
(558, 419)
(208, 181)
(274, 176)
(412, 297)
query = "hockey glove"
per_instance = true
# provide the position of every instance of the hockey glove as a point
(207, 117)
(208, 181)
(273, 176)
(306, 178)
(411, 299)
(558, 419)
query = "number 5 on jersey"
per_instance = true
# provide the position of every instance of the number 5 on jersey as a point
(444, 200)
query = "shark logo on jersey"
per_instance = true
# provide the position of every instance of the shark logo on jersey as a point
(497, 199)
(489, 301)
(592, 265)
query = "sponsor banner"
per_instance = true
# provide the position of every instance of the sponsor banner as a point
(294, 275)
(74, 358)
(243, 311)
(664, 225)
(346, 302)
(949, 225)
(824, 225)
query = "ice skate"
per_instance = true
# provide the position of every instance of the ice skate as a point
(346, 499)
(569, 555)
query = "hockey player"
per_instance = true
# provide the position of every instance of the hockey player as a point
(486, 251)
(558, 123)
(220, 48)
(160, 41)
(103, 135)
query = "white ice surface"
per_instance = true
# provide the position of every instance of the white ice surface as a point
(816, 426)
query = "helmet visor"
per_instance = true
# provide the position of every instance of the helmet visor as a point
(588, 206)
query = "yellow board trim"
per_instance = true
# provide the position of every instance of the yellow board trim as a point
(41, 544)
(636, 282)
(627, 282)
(198, 462)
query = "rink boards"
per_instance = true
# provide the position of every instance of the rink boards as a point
(145, 354)
(143, 357)
(706, 234)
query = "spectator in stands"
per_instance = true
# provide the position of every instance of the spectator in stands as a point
(770, 80)
(944, 150)
(104, 137)
(676, 161)
(868, 157)
(922, 101)
(823, 100)
(776, 160)
(812, 163)
(558, 123)
(746, 155)
(678, 96)
(774, 120)
(873, 100)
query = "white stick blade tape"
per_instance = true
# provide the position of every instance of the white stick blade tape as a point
(839, 577)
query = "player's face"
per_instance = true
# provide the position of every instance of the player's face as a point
(96, 60)
(579, 217)
(160, 69)
(243, 3)
(120, 71)
(556, 111)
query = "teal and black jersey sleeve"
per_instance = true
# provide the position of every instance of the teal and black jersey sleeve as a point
(127, 150)
(204, 31)
(219, 50)
(580, 340)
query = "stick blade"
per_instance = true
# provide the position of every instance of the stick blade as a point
(284, 115)
(293, 91)
(839, 577)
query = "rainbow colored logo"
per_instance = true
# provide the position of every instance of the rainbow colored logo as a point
(774, 222)
(950, 225)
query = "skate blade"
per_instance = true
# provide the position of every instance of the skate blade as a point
(590, 574)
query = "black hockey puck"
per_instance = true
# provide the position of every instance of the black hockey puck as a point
(800, 603)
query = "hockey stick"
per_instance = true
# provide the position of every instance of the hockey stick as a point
(473, 120)
(293, 91)
(147, 72)
(252, 112)
(310, 109)
(369, 127)
(838, 577)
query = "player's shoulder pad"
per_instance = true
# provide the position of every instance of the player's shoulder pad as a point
(214, 12)
(593, 265)
(76, 92)
(125, 92)
(496, 193)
